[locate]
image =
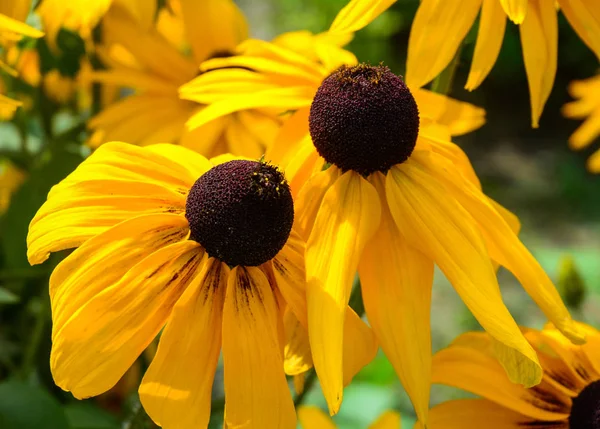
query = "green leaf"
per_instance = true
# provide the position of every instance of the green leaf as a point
(7, 297)
(83, 415)
(23, 406)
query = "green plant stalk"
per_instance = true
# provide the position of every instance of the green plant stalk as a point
(41, 319)
(442, 84)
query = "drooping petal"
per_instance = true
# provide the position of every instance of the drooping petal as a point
(290, 135)
(256, 392)
(437, 31)
(360, 345)
(515, 9)
(313, 418)
(190, 162)
(433, 222)
(347, 219)
(584, 17)
(489, 41)
(469, 364)
(96, 345)
(9, 24)
(176, 389)
(121, 248)
(388, 420)
(213, 26)
(503, 245)
(310, 198)
(357, 14)
(481, 413)
(539, 40)
(396, 283)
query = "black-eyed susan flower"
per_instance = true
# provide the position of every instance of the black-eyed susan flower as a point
(207, 251)
(379, 194)
(313, 418)
(440, 27)
(567, 398)
(12, 29)
(154, 64)
(285, 74)
(587, 107)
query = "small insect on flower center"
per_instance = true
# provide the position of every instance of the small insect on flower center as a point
(585, 411)
(364, 118)
(241, 212)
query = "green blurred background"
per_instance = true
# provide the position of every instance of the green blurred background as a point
(531, 172)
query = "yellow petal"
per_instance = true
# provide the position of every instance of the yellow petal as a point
(290, 135)
(469, 364)
(9, 24)
(347, 218)
(281, 98)
(96, 345)
(515, 9)
(584, 17)
(16, 9)
(120, 247)
(433, 222)
(240, 141)
(458, 116)
(539, 40)
(396, 282)
(195, 165)
(78, 211)
(360, 346)
(256, 391)
(388, 420)
(310, 198)
(213, 26)
(489, 41)
(313, 418)
(142, 11)
(176, 389)
(357, 14)
(476, 414)
(505, 247)
(437, 31)
(593, 163)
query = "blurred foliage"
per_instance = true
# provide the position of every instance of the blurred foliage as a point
(530, 171)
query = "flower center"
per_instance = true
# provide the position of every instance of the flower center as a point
(364, 118)
(241, 212)
(585, 412)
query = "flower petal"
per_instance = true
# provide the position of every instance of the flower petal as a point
(176, 389)
(584, 17)
(388, 420)
(469, 364)
(120, 248)
(188, 161)
(96, 345)
(347, 218)
(515, 9)
(256, 392)
(313, 418)
(504, 246)
(79, 210)
(460, 117)
(437, 31)
(360, 346)
(213, 26)
(489, 41)
(396, 283)
(433, 222)
(481, 413)
(357, 14)
(539, 40)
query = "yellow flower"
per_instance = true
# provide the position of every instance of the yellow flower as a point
(567, 397)
(207, 250)
(147, 63)
(57, 87)
(11, 179)
(439, 28)
(314, 418)
(587, 106)
(82, 16)
(12, 29)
